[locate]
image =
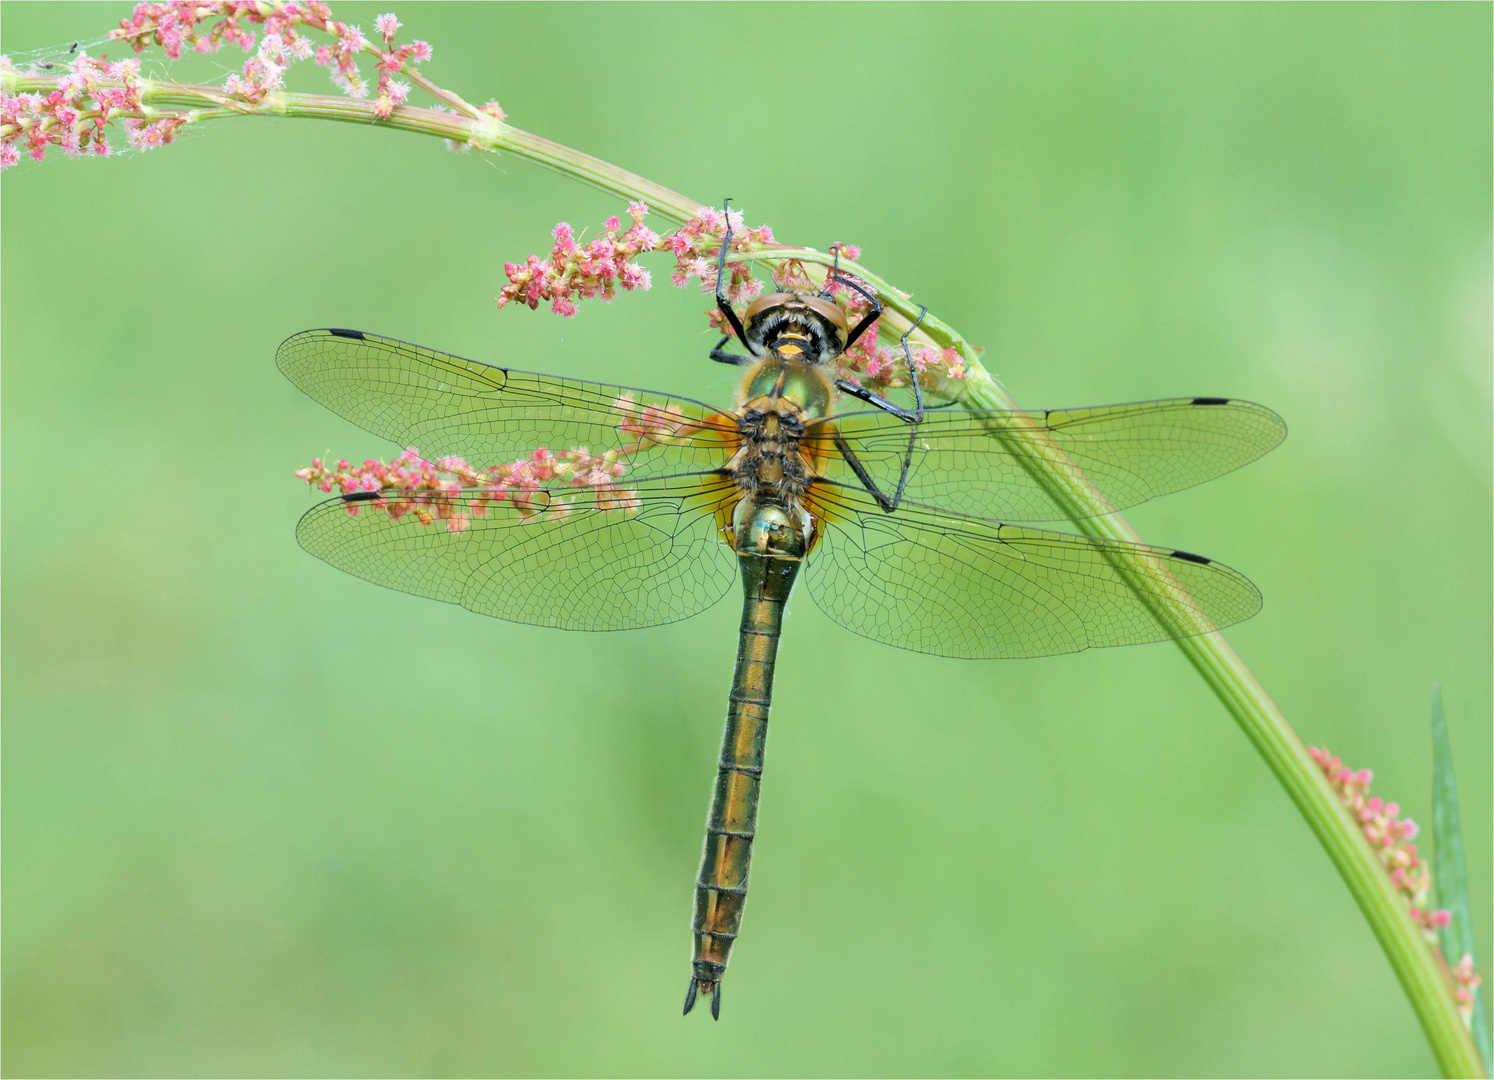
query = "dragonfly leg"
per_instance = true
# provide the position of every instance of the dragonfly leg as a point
(873, 313)
(721, 301)
(913, 373)
(888, 505)
(721, 356)
(913, 418)
(861, 393)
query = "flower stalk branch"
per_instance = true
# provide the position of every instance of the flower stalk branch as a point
(39, 109)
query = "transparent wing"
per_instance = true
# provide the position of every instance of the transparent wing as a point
(446, 406)
(971, 462)
(939, 583)
(604, 560)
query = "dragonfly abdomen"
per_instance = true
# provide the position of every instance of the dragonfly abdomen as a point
(770, 547)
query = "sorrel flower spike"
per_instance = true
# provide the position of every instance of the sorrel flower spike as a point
(76, 109)
(410, 483)
(1389, 834)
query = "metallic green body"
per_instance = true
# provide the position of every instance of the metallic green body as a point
(793, 381)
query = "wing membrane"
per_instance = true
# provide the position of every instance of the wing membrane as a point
(612, 560)
(940, 583)
(971, 462)
(445, 406)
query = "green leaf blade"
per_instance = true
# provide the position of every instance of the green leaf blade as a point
(1450, 867)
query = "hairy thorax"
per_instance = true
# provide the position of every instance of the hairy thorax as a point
(780, 397)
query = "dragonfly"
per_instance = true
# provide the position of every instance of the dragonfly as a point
(600, 507)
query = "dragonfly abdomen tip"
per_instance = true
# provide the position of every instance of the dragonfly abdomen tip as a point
(697, 985)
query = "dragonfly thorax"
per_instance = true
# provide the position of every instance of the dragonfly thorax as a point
(771, 464)
(787, 383)
(774, 462)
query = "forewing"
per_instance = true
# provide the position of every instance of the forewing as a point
(972, 462)
(957, 586)
(606, 560)
(445, 406)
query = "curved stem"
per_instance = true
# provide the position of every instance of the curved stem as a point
(1418, 967)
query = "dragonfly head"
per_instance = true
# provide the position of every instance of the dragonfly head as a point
(800, 325)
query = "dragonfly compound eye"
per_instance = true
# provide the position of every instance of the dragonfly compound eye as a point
(765, 302)
(833, 316)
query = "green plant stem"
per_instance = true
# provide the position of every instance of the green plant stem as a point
(1415, 964)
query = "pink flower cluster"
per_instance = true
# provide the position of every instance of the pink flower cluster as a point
(95, 92)
(204, 27)
(207, 26)
(72, 117)
(696, 247)
(392, 61)
(650, 423)
(1388, 833)
(435, 491)
(572, 271)
(341, 58)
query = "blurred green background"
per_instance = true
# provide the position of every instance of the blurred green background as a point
(264, 818)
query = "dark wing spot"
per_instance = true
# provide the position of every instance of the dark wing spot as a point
(1211, 401)
(1191, 557)
(356, 335)
(370, 496)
